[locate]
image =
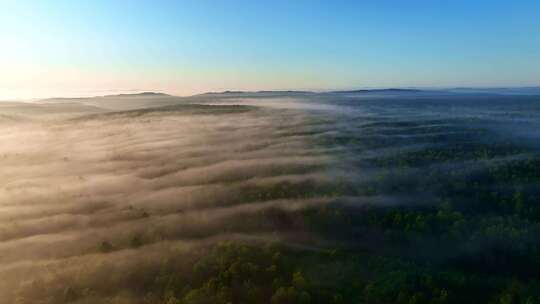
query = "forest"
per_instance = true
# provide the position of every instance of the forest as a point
(268, 198)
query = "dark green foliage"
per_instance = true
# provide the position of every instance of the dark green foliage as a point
(240, 273)
(448, 213)
(136, 241)
(464, 228)
(105, 247)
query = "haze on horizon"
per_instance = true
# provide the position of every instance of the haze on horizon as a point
(67, 48)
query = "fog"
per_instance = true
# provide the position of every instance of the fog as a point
(176, 174)
(174, 178)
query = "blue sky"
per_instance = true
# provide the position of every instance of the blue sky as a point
(186, 47)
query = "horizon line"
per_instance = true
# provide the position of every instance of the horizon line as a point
(315, 91)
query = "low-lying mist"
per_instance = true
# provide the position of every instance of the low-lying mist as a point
(167, 179)
(98, 194)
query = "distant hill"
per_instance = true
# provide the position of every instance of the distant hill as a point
(533, 90)
(390, 90)
(80, 99)
(224, 92)
(143, 94)
(257, 93)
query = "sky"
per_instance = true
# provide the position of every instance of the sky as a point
(81, 48)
